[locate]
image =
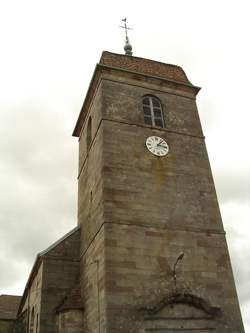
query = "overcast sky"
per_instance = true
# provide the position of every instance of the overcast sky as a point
(48, 51)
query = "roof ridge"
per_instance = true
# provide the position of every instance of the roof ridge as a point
(10, 295)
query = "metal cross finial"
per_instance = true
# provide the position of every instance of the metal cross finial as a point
(125, 27)
(127, 47)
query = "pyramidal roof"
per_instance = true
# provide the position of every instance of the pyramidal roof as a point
(145, 66)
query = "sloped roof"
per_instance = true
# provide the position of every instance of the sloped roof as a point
(59, 241)
(9, 306)
(39, 259)
(145, 66)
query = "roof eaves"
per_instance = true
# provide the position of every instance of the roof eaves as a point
(75, 132)
(38, 261)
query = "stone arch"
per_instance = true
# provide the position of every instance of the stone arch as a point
(181, 312)
(185, 298)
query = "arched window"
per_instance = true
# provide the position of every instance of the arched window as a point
(152, 111)
(37, 318)
(89, 134)
(32, 320)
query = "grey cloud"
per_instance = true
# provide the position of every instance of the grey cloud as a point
(242, 273)
(239, 250)
(39, 144)
(245, 314)
(233, 185)
(9, 270)
(38, 173)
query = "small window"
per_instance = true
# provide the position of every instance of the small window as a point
(152, 111)
(32, 320)
(89, 134)
(37, 319)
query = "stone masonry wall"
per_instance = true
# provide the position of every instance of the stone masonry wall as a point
(163, 206)
(70, 321)
(138, 212)
(174, 191)
(92, 284)
(6, 326)
(33, 301)
(139, 263)
(122, 101)
(95, 113)
(61, 271)
(90, 197)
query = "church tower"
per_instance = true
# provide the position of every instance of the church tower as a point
(153, 254)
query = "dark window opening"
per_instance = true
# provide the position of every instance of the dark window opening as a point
(89, 134)
(32, 320)
(152, 111)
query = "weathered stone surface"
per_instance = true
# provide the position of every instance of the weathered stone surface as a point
(138, 212)
(92, 269)
(7, 326)
(148, 277)
(70, 321)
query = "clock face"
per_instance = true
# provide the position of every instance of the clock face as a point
(157, 146)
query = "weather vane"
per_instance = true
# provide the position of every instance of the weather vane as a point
(128, 46)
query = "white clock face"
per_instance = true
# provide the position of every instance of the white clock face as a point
(157, 146)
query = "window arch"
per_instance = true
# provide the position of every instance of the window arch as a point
(152, 111)
(89, 133)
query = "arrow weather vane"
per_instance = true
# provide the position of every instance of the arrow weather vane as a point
(127, 47)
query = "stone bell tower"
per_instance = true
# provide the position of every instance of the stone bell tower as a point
(153, 252)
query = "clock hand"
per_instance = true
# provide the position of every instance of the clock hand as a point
(159, 144)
